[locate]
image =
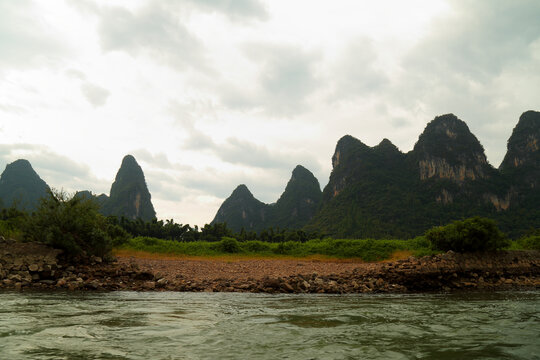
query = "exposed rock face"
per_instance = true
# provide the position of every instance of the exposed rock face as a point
(299, 202)
(129, 194)
(21, 186)
(380, 192)
(522, 160)
(448, 150)
(242, 210)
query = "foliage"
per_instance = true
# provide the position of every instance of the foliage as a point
(528, 242)
(365, 249)
(470, 235)
(229, 245)
(12, 222)
(72, 224)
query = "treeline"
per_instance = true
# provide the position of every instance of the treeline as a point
(169, 230)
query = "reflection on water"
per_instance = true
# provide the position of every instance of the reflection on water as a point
(131, 325)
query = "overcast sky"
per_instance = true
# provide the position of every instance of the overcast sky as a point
(209, 94)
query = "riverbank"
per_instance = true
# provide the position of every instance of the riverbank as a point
(26, 266)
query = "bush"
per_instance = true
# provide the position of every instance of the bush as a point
(470, 235)
(229, 245)
(71, 224)
(530, 242)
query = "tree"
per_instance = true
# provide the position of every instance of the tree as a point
(72, 224)
(470, 235)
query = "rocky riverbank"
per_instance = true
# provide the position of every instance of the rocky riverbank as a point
(26, 266)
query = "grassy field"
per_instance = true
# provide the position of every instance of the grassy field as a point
(362, 249)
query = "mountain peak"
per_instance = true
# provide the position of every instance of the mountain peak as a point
(129, 195)
(344, 147)
(448, 149)
(242, 210)
(21, 186)
(524, 149)
(242, 191)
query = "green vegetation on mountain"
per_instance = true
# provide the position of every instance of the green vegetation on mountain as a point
(129, 195)
(21, 186)
(295, 207)
(99, 199)
(242, 210)
(380, 192)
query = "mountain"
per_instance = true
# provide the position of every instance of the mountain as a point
(299, 202)
(21, 186)
(381, 192)
(100, 199)
(295, 207)
(129, 195)
(242, 210)
(522, 160)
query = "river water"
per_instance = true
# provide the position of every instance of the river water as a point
(151, 325)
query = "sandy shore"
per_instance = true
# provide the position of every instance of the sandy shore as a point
(37, 267)
(237, 268)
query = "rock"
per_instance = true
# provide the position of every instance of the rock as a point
(61, 282)
(162, 282)
(33, 267)
(15, 277)
(144, 275)
(287, 287)
(149, 285)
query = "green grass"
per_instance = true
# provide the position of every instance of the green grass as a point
(365, 249)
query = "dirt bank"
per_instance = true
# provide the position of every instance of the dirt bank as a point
(35, 266)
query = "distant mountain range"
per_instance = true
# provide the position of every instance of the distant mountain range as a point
(21, 186)
(381, 192)
(376, 192)
(295, 207)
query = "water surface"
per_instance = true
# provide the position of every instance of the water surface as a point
(132, 325)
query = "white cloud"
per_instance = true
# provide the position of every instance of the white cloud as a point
(95, 94)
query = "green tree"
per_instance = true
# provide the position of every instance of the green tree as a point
(470, 235)
(72, 224)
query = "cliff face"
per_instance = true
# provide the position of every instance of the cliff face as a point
(129, 195)
(448, 150)
(21, 186)
(380, 192)
(242, 210)
(522, 160)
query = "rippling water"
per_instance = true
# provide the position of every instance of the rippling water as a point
(131, 325)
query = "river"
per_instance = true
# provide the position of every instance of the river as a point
(168, 325)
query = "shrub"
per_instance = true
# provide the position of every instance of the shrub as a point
(72, 224)
(470, 235)
(530, 242)
(229, 245)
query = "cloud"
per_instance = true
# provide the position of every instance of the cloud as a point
(356, 72)
(158, 160)
(286, 77)
(473, 63)
(235, 9)
(95, 94)
(153, 30)
(24, 41)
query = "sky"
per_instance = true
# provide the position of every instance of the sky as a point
(210, 94)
